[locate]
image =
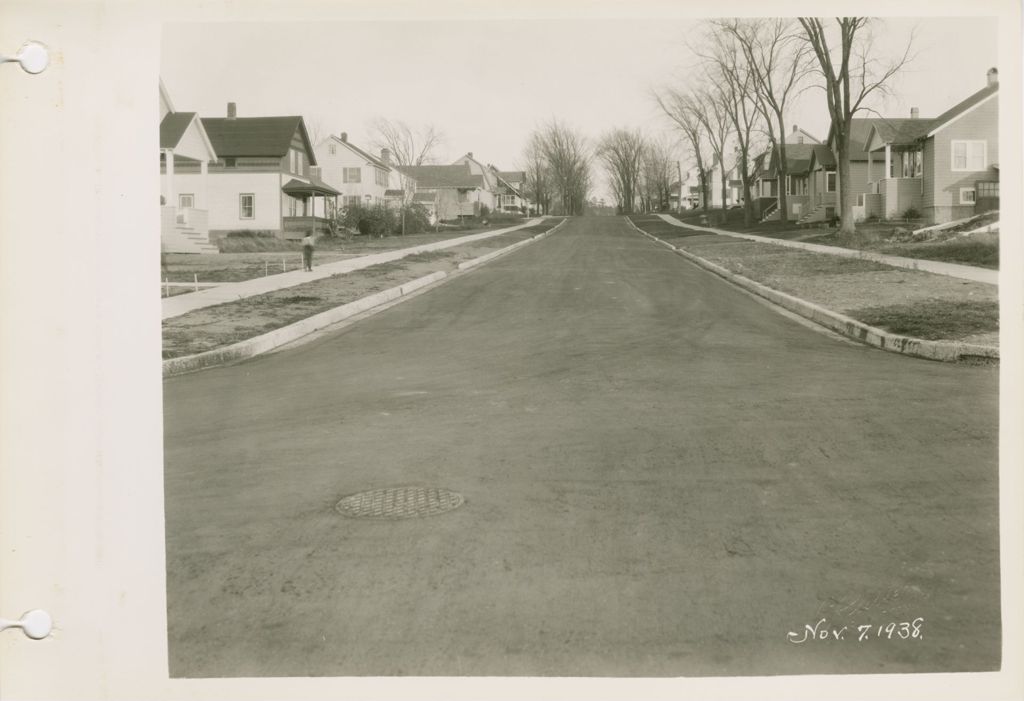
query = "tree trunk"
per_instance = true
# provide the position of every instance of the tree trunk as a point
(748, 205)
(844, 204)
(782, 171)
(725, 192)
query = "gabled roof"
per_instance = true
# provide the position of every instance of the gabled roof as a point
(504, 181)
(821, 155)
(899, 132)
(860, 132)
(394, 193)
(443, 176)
(256, 136)
(173, 127)
(963, 107)
(513, 176)
(371, 159)
(484, 170)
(798, 159)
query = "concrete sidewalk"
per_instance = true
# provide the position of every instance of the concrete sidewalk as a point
(232, 291)
(964, 272)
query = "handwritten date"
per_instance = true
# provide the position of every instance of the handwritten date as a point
(822, 631)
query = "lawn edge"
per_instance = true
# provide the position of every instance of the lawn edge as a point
(945, 351)
(272, 340)
(962, 271)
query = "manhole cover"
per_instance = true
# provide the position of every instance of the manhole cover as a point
(399, 502)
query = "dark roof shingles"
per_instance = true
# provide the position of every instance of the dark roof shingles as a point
(251, 136)
(173, 127)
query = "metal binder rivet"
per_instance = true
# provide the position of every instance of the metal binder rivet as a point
(35, 624)
(33, 57)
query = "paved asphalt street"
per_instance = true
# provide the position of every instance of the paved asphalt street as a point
(662, 477)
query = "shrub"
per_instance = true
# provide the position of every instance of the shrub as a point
(911, 213)
(484, 211)
(417, 219)
(376, 220)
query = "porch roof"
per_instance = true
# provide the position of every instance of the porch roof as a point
(315, 187)
(897, 132)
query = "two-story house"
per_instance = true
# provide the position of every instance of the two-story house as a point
(361, 177)
(263, 179)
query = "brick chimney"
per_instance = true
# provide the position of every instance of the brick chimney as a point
(914, 113)
(344, 137)
(993, 76)
(795, 128)
(232, 110)
(385, 155)
(470, 154)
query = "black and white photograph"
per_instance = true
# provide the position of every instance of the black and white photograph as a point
(532, 346)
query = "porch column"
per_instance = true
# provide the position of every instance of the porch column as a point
(204, 204)
(869, 170)
(888, 161)
(169, 179)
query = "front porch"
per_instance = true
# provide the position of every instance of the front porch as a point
(901, 187)
(311, 208)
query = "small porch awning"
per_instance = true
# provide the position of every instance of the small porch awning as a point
(394, 194)
(315, 187)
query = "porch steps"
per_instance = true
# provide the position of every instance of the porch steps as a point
(185, 239)
(814, 215)
(771, 212)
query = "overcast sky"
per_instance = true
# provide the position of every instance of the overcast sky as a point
(486, 84)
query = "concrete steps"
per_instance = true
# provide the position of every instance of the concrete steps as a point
(183, 239)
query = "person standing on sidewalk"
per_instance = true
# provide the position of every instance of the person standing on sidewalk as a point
(307, 251)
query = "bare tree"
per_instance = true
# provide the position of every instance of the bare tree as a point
(658, 170)
(779, 62)
(733, 86)
(568, 158)
(538, 178)
(314, 129)
(683, 108)
(713, 113)
(621, 151)
(408, 146)
(850, 73)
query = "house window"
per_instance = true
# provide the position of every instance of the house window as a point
(186, 201)
(381, 177)
(352, 200)
(967, 195)
(300, 162)
(969, 155)
(332, 149)
(830, 181)
(352, 175)
(246, 206)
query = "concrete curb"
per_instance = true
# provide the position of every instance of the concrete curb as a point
(229, 291)
(466, 265)
(278, 337)
(947, 351)
(962, 272)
